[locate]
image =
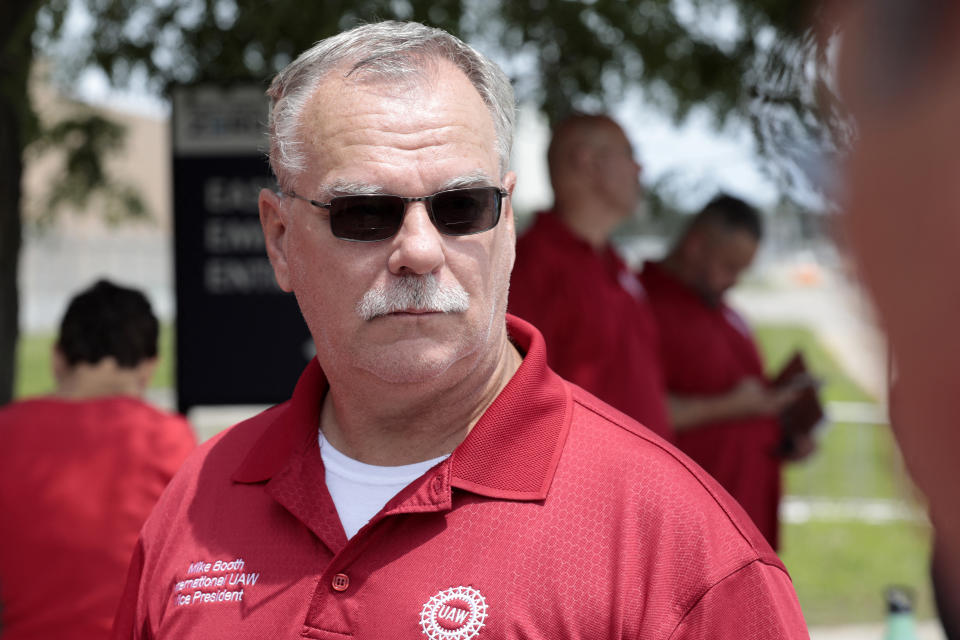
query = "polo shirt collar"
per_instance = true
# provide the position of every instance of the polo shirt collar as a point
(511, 453)
(655, 276)
(290, 424)
(514, 449)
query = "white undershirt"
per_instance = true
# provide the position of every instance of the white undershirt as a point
(360, 490)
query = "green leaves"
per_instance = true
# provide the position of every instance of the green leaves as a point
(83, 143)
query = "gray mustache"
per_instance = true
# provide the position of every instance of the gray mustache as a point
(410, 292)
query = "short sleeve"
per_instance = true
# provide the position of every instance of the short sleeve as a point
(756, 602)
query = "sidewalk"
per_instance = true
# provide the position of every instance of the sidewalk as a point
(927, 630)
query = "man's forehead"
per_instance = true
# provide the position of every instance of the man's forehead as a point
(440, 119)
(420, 84)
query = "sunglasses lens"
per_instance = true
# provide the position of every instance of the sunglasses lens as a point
(461, 212)
(457, 212)
(366, 218)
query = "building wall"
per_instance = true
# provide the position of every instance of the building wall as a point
(79, 247)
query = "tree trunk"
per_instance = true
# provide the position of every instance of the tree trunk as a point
(17, 23)
(11, 163)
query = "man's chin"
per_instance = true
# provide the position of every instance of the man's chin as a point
(411, 362)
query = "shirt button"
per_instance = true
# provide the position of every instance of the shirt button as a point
(340, 582)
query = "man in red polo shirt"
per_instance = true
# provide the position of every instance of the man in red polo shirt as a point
(570, 283)
(722, 410)
(431, 477)
(81, 469)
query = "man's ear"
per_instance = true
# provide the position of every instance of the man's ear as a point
(145, 370)
(59, 365)
(694, 243)
(509, 184)
(274, 222)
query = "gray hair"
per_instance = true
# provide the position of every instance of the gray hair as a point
(388, 50)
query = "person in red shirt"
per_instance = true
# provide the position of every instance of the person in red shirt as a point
(721, 407)
(81, 469)
(431, 477)
(570, 282)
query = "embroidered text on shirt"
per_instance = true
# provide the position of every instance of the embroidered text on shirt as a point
(213, 582)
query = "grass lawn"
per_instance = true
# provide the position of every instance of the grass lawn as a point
(778, 342)
(35, 377)
(840, 567)
(854, 460)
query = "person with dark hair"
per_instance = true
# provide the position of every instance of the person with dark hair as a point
(108, 336)
(571, 283)
(81, 469)
(431, 476)
(723, 411)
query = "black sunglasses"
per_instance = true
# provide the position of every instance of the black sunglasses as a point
(369, 218)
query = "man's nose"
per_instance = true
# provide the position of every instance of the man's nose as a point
(418, 246)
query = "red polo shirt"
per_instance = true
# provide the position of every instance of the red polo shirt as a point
(77, 480)
(593, 313)
(707, 351)
(557, 517)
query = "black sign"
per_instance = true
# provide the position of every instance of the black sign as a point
(240, 339)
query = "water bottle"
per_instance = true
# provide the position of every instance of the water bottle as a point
(900, 624)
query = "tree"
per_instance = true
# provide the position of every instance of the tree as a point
(17, 128)
(562, 54)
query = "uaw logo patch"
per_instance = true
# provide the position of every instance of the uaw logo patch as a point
(457, 613)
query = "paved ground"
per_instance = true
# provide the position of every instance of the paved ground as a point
(925, 631)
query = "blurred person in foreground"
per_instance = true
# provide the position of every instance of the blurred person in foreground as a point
(724, 412)
(570, 283)
(431, 476)
(899, 66)
(81, 469)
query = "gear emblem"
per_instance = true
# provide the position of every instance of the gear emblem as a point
(458, 613)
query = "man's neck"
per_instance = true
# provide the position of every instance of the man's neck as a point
(389, 424)
(675, 266)
(92, 381)
(587, 222)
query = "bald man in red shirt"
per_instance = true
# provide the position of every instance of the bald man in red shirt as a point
(571, 283)
(722, 409)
